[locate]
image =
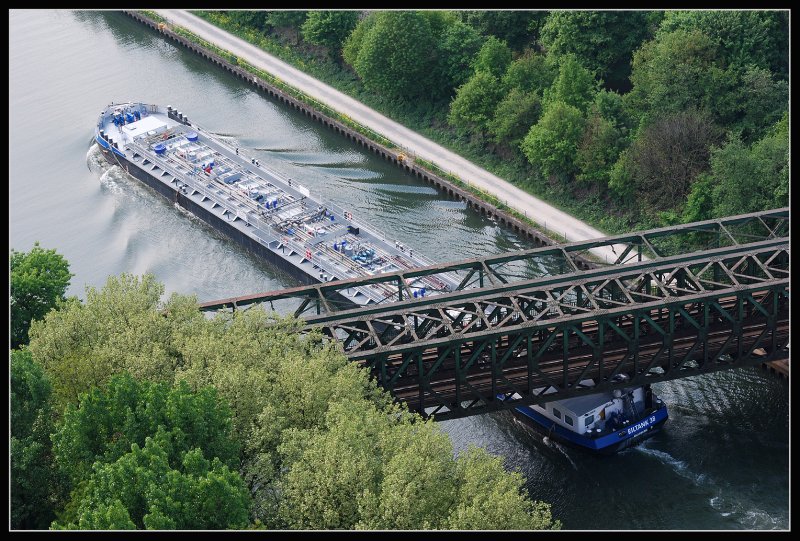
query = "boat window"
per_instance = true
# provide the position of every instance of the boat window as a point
(568, 420)
(589, 420)
(557, 413)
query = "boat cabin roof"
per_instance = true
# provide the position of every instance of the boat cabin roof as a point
(584, 404)
(146, 124)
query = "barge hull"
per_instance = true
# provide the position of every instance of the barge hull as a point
(175, 196)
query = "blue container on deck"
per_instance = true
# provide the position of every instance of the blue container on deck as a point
(332, 218)
(129, 117)
(192, 136)
(160, 148)
(137, 115)
(336, 246)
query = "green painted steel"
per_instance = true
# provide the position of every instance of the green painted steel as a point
(629, 323)
(648, 245)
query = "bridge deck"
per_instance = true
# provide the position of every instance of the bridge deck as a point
(545, 338)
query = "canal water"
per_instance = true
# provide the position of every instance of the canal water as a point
(722, 460)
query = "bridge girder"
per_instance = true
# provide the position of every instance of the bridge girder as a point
(570, 333)
(521, 265)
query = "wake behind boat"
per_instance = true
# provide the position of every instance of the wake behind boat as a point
(272, 215)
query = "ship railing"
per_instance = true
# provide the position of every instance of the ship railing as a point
(199, 185)
(339, 211)
(329, 265)
(418, 260)
(335, 208)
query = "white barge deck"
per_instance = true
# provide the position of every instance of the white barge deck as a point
(270, 214)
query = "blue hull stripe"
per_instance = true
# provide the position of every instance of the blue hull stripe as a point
(104, 144)
(603, 442)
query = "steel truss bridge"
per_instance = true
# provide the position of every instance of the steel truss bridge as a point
(540, 324)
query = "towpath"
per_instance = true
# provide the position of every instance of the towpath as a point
(544, 214)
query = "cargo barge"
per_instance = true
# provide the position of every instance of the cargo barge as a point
(269, 214)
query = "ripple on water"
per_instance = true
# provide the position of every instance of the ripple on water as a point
(111, 224)
(678, 466)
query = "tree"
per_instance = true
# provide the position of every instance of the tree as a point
(598, 149)
(320, 442)
(667, 156)
(398, 55)
(120, 328)
(671, 74)
(700, 201)
(334, 471)
(143, 490)
(748, 100)
(286, 18)
(602, 41)
(475, 102)
(251, 18)
(514, 116)
(368, 468)
(329, 28)
(459, 44)
(531, 72)
(574, 85)
(482, 484)
(289, 20)
(517, 28)
(35, 484)
(418, 481)
(552, 143)
(493, 57)
(752, 179)
(123, 412)
(353, 43)
(743, 37)
(163, 453)
(39, 279)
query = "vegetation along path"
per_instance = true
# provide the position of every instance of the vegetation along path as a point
(523, 202)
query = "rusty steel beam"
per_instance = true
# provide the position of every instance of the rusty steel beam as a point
(554, 300)
(771, 224)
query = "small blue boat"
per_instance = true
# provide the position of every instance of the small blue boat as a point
(602, 423)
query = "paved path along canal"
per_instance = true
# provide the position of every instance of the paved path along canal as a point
(523, 202)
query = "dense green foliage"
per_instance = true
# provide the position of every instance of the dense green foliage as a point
(170, 419)
(39, 279)
(751, 179)
(631, 75)
(602, 40)
(475, 102)
(552, 143)
(35, 483)
(624, 118)
(493, 57)
(744, 38)
(329, 28)
(152, 456)
(397, 55)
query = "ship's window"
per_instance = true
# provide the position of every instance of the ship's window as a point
(589, 420)
(557, 413)
(568, 420)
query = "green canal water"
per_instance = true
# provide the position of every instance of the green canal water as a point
(722, 460)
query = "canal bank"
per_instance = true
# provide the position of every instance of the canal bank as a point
(720, 463)
(517, 201)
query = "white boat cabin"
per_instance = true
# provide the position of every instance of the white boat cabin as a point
(582, 413)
